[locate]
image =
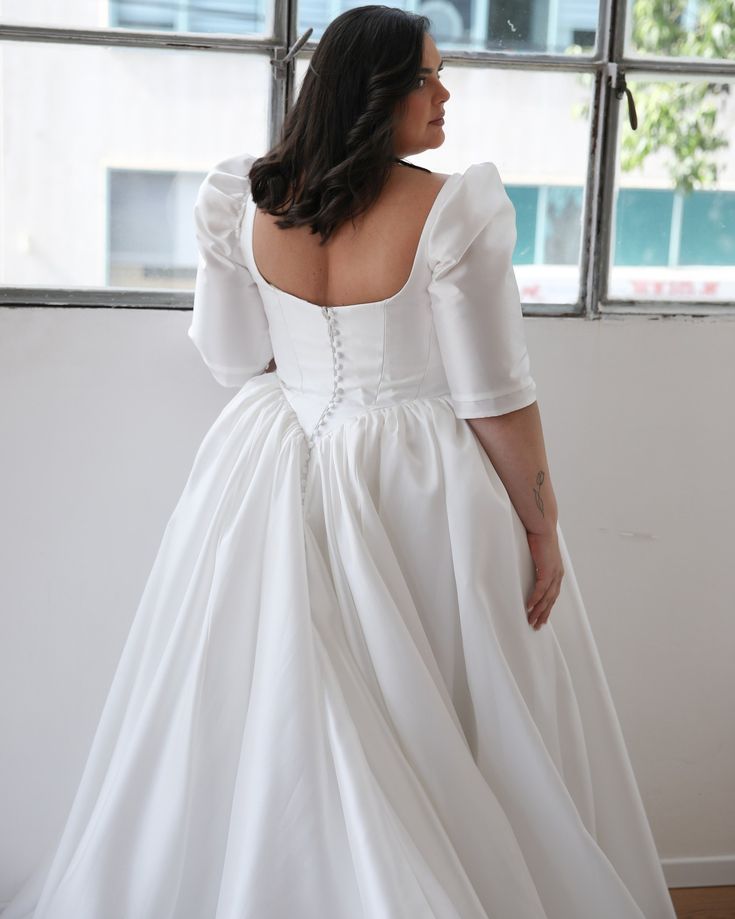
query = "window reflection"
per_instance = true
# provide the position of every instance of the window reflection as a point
(150, 240)
(563, 27)
(674, 207)
(687, 28)
(94, 135)
(235, 17)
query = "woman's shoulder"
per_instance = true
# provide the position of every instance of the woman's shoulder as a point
(476, 177)
(221, 198)
(234, 167)
(475, 190)
(469, 203)
(229, 177)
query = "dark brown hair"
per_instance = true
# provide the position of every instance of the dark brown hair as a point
(339, 133)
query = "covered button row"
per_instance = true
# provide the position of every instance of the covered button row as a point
(334, 341)
(337, 365)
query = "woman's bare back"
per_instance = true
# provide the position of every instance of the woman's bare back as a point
(369, 263)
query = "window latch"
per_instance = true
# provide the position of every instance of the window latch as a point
(280, 64)
(620, 87)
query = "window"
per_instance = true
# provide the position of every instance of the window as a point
(114, 110)
(94, 131)
(233, 16)
(148, 240)
(689, 239)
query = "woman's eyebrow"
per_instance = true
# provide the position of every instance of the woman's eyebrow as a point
(429, 70)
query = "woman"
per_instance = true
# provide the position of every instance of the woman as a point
(332, 702)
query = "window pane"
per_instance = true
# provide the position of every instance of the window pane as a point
(704, 214)
(534, 126)
(150, 230)
(673, 232)
(682, 28)
(104, 151)
(237, 17)
(563, 27)
(525, 200)
(643, 226)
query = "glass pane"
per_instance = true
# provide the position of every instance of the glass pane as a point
(681, 28)
(673, 232)
(151, 242)
(534, 126)
(101, 166)
(234, 17)
(562, 27)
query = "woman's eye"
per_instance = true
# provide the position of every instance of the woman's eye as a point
(423, 79)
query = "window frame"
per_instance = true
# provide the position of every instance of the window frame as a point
(607, 63)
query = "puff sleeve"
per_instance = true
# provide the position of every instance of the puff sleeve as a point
(475, 302)
(229, 326)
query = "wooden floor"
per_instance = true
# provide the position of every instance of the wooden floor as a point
(704, 902)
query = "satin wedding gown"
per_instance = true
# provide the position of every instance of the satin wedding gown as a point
(330, 704)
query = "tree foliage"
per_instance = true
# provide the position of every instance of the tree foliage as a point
(679, 119)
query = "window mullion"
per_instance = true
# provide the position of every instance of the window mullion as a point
(283, 67)
(589, 258)
(602, 160)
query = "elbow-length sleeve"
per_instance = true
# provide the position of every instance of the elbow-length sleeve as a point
(475, 302)
(229, 326)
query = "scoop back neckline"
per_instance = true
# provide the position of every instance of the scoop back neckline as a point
(342, 306)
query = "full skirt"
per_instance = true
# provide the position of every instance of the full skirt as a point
(331, 705)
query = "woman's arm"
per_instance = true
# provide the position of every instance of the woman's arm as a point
(514, 442)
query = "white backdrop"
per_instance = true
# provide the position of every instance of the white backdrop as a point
(101, 414)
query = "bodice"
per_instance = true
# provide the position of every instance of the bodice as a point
(334, 363)
(454, 330)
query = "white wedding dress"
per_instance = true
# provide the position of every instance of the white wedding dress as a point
(330, 704)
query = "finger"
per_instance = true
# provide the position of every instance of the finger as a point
(548, 596)
(543, 612)
(547, 611)
(543, 582)
(543, 615)
(538, 596)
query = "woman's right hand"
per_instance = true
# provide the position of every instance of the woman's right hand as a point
(549, 573)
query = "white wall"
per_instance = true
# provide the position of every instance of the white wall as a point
(103, 410)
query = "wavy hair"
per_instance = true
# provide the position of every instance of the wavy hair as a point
(338, 136)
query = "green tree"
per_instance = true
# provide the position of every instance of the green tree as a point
(682, 120)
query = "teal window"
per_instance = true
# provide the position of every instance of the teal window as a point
(643, 226)
(525, 202)
(548, 224)
(708, 229)
(653, 227)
